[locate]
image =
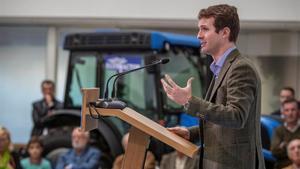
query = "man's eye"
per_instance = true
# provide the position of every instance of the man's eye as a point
(203, 29)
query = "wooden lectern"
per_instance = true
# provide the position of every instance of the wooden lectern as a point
(139, 134)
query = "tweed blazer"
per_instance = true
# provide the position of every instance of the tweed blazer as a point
(231, 110)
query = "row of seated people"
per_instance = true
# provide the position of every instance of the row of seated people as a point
(81, 156)
(285, 133)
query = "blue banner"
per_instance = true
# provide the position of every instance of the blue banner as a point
(122, 63)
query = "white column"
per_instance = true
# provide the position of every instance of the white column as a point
(297, 94)
(51, 55)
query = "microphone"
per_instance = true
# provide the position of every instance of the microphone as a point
(161, 61)
(107, 103)
(106, 87)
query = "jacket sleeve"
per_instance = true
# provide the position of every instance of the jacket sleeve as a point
(239, 93)
(36, 114)
(194, 133)
(278, 151)
(57, 105)
(39, 112)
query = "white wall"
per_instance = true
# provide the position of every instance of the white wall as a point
(277, 10)
(143, 13)
(22, 68)
(277, 57)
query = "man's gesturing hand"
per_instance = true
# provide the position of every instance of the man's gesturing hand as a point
(176, 93)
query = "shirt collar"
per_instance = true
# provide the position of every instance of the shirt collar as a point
(216, 67)
(294, 128)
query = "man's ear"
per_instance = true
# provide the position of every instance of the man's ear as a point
(226, 32)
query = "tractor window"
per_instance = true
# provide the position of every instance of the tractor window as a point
(181, 67)
(136, 88)
(83, 75)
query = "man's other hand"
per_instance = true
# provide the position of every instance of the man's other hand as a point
(180, 131)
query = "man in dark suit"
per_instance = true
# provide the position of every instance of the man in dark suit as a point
(45, 106)
(286, 93)
(230, 112)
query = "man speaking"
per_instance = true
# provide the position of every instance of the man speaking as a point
(230, 112)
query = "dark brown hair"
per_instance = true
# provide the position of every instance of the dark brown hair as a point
(289, 89)
(225, 16)
(34, 140)
(291, 101)
(50, 82)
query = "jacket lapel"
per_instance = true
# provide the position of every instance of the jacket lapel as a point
(228, 62)
(211, 85)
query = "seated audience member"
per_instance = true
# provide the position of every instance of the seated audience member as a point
(81, 156)
(35, 159)
(286, 93)
(293, 150)
(177, 160)
(8, 159)
(285, 133)
(45, 106)
(150, 159)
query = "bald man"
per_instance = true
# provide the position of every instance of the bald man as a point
(81, 156)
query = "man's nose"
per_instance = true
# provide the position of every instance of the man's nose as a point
(288, 112)
(200, 35)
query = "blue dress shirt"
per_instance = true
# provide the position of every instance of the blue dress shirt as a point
(88, 159)
(216, 67)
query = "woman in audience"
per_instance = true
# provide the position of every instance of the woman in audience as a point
(35, 159)
(8, 159)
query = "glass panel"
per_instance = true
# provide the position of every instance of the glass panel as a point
(133, 87)
(136, 88)
(83, 75)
